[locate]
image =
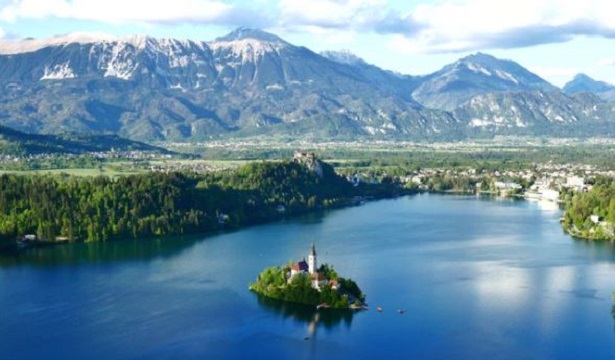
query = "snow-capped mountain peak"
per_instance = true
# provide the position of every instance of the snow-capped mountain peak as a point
(243, 33)
(248, 44)
(344, 57)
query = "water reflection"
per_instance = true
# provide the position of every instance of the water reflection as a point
(597, 250)
(314, 319)
(97, 252)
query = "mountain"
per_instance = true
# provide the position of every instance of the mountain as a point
(475, 75)
(549, 114)
(399, 84)
(13, 142)
(582, 83)
(253, 83)
(164, 89)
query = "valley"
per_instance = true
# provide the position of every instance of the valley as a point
(222, 179)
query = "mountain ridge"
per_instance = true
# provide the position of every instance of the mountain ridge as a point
(582, 83)
(252, 83)
(473, 75)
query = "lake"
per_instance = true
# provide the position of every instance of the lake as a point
(479, 278)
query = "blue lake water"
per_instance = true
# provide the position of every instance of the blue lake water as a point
(479, 279)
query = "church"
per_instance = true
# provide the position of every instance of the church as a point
(309, 268)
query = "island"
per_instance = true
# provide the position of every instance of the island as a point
(305, 283)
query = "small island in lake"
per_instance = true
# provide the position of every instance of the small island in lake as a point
(305, 283)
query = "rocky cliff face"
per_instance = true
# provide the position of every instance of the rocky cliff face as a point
(538, 114)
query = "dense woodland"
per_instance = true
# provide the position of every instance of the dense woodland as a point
(599, 201)
(273, 283)
(103, 208)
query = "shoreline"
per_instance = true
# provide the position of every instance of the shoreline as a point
(357, 200)
(15, 244)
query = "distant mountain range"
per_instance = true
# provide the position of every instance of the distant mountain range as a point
(584, 84)
(252, 83)
(474, 75)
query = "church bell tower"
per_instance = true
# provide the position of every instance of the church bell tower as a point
(312, 260)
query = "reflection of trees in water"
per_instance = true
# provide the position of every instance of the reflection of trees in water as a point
(603, 251)
(97, 252)
(613, 312)
(327, 318)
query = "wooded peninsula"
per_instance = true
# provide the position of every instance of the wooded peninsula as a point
(159, 204)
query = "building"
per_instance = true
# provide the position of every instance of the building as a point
(318, 280)
(300, 155)
(300, 267)
(575, 182)
(500, 185)
(309, 268)
(312, 265)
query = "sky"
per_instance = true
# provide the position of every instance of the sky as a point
(556, 39)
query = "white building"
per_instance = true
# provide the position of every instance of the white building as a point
(312, 265)
(298, 268)
(309, 268)
(576, 182)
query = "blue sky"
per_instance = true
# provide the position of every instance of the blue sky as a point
(554, 38)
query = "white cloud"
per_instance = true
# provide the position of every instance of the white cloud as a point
(327, 13)
(606, 62)
(153, 11)
(464, 25)
(356, 15)
(429, 27)
(2, 33)
(457, 25)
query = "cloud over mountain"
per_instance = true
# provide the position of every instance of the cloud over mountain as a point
(358, 15)
(434, 27)
(455, 26)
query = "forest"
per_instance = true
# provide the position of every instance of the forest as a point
(154, 204)
(591, 215)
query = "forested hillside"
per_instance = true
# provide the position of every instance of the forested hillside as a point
(591, 215)
(101, 208)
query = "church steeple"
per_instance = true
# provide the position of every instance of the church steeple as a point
(312, 260)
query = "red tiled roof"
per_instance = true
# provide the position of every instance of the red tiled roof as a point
(300, 266)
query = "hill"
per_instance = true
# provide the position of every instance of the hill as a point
(13, 142)
(102, 208)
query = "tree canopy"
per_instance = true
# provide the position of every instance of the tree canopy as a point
(599, 202)
(101, 208)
